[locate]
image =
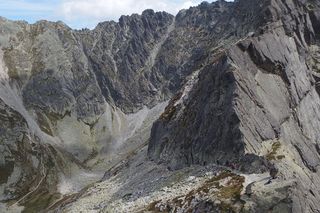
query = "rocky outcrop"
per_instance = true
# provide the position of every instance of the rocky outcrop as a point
(258, 90)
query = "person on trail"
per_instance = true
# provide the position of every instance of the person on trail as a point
(273, 172)
(233, 165)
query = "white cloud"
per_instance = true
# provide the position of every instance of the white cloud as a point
(98, 10)
(86, 13)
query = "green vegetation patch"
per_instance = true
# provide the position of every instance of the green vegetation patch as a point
(40, 202)
(273, 152)
(212, 189)
(280, 157)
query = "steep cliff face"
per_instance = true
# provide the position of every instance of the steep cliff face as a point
(259, 91)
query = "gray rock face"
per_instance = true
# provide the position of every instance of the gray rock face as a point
(66, 89)
(122, 55)
(258, 90)
(26, 164)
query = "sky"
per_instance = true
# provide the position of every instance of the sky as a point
(85, 13)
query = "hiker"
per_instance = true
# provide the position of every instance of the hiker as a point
(233, 165)
(273, 171)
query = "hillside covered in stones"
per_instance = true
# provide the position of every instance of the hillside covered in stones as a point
(163, 113)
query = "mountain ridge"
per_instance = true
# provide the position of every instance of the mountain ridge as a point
(81, 105)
